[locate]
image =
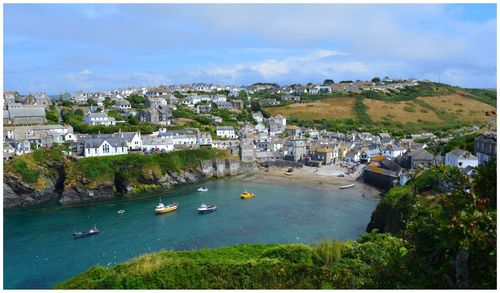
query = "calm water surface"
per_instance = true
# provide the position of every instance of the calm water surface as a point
(39, 250)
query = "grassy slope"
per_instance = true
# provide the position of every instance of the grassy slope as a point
(430, 107)
(250, 266)
(37, 167)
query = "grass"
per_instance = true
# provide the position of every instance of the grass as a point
(474, 111)
(246, 266)
(400, 111)
(337, 107)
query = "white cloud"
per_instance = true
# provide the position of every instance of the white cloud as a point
(85, 72)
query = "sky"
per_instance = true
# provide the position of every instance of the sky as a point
(68, 47)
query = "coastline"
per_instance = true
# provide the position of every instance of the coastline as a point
(309, 177)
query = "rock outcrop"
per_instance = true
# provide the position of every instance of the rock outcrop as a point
(82, 190)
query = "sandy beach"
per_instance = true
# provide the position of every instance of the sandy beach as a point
(324, 177)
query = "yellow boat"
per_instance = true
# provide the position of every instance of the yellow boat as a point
(161, 208)
(246, 195)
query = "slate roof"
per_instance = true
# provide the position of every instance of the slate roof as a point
(25, 112)
(97, 142)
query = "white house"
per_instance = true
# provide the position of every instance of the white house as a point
(226, 131)
(157, 144)
(204, 139)
(109, 146)
(393, 151)
(187, 139)
(99, 119)
(70, 137)
(352, 156)
(122, 104)
(225, 144)
(461, 159)
(133, 139)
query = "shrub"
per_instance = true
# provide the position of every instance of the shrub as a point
(328, 251)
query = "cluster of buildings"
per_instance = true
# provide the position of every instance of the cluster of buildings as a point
(270, 139)
(25, 110)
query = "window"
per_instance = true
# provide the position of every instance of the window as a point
(105, 148)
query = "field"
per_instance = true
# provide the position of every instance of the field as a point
(331, 108)
(462, 108)
(413, 111)
(402, 112)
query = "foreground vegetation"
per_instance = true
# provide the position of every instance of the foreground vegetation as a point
(433, 239)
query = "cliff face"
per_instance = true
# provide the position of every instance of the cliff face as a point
(78, 189)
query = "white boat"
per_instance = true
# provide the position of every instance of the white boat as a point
(346, 186)
(203, 209)
(202, 189)
(121, 212)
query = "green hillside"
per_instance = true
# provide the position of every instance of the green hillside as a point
(427, 107)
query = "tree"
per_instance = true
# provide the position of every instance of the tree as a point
(98, 110)
(243, 95)
(328, 82)
(255, 106)
(178, 95)
(67, 103)
(376, 79)
(91, 102)
(132, 120)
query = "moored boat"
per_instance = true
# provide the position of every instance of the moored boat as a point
(161, 208)
(346, 186)
(204, 209)
(121, 212)
(246, 195)
(202, 189)
(91, 232)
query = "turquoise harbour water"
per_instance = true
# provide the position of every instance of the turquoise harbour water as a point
(39, 250)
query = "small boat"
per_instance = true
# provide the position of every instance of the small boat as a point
(202, 189)
(340, 175)
(204, 209)
(161, 208)
(346, 186)
(288, 173)
(86, 233)
(246, 195)
(121, 212)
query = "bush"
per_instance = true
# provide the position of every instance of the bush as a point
(328, 251)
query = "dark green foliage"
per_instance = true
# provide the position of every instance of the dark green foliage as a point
(184, 111)
(485, 182)
(75, 119)
(136, 101)
(255, 106)
(360, 110)
(328, 82)
(464, 142)
(51, 114)
(91, 102)
(483, 95)
(67, 103)
(178, 95)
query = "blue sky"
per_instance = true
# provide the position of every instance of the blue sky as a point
(69, 47)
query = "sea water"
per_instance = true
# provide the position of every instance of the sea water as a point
(39, 250)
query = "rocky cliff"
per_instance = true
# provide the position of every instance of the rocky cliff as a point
(71, 182)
